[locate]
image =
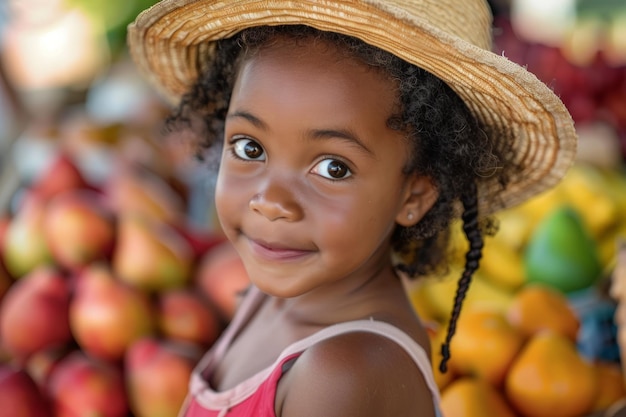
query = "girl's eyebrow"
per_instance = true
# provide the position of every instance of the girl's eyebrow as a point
(343, 134)
(314, 134)
(258, 123)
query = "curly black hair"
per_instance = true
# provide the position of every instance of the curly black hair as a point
(448, 145)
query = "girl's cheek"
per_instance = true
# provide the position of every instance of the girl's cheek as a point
(223, 200)
(231, 196)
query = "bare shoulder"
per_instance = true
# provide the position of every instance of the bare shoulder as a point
(354, 374)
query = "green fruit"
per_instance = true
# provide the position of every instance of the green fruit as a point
(561, 252)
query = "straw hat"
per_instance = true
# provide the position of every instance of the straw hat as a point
(171, 44)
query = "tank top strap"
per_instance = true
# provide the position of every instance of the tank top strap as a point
(412, 348)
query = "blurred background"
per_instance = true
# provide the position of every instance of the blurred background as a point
(82, 159)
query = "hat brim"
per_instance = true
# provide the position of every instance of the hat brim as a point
(171, 44)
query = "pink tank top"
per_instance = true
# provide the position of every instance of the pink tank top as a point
(255, 396)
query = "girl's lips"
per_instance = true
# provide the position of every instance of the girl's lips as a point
(275, 252)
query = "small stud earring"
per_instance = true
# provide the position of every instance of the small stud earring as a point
(410, 216)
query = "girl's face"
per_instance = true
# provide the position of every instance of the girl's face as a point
(310, 185)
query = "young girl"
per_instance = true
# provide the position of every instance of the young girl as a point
(351, 134)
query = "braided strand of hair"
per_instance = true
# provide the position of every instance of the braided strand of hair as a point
(472, 257)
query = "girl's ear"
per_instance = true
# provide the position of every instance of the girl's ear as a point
(419, 197)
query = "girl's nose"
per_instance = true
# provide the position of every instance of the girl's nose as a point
(276, 202)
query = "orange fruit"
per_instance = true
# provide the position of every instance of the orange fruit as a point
(549, 378)
(611, 385)
(473, 397)
(484, 345)
(537, 307)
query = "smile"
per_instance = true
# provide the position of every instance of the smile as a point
(276, 252)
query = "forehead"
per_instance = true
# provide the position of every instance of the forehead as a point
(315, 70)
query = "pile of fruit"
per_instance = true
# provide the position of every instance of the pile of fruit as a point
(108, 297)
(528, 341)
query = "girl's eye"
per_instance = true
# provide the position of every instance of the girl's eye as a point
(249, 150)
(332, 169)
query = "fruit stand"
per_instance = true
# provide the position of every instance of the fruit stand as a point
(107, 234)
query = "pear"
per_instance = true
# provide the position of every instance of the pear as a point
(560, 253)
(34, 313)
(25, 247)
(107, 315)
(151, 255)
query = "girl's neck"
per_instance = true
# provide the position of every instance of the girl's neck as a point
(342, 301)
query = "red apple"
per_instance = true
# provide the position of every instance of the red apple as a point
(185, 315)
(222, 277)
(157, 376)
(62, 174)
(80, 385)
(106, 315)
(25, 247)
(151, 254)
(34, 313)
(78, 228)
(20, 395)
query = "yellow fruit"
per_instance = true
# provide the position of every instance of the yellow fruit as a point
(514, 227)
(615, 182)
(419, 295)
(458, 244)
(433, 297)
(549, 378)
(502, 266)
(536, 208)
(484, 345)
(473, 397)
(587, 191)
(538, 307)
(607, 245)
(501, 262)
